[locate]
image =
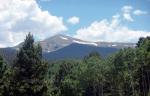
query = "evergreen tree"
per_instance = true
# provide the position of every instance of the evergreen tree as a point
(30, 71)
(143, 60)
(4, 78)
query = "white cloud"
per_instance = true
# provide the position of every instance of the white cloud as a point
(112, 31)
(74, 20)
(18, 17)
(139, 12)
(2, 46)
(127, 13)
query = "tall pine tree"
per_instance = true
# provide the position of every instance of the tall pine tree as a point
(30, 71)
(4, 77)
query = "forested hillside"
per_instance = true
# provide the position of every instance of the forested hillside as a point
(125, 73)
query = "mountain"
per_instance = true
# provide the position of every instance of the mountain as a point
(61, 46)
(59, 41)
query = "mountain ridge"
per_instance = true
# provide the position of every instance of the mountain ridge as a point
(78, 51)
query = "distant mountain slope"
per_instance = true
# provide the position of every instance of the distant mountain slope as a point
(116, 44)
(78, 51)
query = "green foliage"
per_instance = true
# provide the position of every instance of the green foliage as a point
(30, 72)
(143, 60)
(4, 77)
(59, 72)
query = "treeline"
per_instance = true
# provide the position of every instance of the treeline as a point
(125, 73)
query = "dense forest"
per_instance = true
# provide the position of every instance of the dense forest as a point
(125, 73)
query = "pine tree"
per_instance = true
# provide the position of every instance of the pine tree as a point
(143, 55)
(4, 77)
(30, 71)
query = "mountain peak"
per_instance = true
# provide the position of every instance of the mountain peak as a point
(58, 36)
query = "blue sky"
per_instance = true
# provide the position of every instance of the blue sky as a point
(91, 10)
(90, 20)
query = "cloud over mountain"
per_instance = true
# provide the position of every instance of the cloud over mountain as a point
(18, 17)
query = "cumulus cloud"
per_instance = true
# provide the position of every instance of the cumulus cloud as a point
(127, 12)
(112, 31)
(139, 12)
(74, 20)
(18, 17)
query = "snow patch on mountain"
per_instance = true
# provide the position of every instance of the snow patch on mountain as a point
(48, 51)
(87, 43)
(63, 38)
(113, 45)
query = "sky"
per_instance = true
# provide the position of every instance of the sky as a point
(90, 20)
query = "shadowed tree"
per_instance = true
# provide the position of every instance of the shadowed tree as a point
(4, 78)
(30, 71)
